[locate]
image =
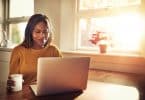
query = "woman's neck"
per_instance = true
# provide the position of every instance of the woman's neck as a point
(37, 47)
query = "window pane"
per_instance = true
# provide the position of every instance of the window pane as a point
(94, 4)
(83, 33)
(124, 30)
(19, 8)
(17, 32)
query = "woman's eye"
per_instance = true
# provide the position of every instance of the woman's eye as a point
(38, 32)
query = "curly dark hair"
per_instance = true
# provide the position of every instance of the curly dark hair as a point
(32, 22)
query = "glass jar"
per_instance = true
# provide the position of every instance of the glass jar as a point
(3, 42)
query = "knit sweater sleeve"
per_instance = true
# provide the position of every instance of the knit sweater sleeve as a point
(15, 61)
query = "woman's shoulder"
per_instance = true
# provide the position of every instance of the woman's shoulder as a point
(54, 50)
(18, 48)
(52, 46)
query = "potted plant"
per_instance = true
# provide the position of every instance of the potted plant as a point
(100, 38)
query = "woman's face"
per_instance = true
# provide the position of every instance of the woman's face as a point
(40, 35)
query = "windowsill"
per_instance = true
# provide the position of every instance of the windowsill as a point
(9, 49)
(122, 62)
(123, 54)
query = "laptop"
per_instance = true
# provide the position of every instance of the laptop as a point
(59, 75)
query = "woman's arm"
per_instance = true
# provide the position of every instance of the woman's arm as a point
(15, 61)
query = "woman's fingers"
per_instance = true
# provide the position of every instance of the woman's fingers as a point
(10, 85)
(10, 82)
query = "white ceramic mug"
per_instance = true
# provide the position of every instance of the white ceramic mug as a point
(18, 82)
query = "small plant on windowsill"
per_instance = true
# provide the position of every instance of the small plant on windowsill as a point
(101, 39)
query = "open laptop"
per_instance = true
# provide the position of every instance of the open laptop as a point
(58, 75)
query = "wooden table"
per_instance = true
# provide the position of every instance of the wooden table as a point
(95, 91)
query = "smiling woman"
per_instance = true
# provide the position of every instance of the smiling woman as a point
(36, 43)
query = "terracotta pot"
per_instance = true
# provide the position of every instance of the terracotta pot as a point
(103, 48)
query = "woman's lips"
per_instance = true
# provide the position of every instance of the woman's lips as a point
(42, 42)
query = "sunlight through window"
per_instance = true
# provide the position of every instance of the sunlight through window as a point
(124, 28)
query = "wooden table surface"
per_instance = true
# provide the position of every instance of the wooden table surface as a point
(95, 91)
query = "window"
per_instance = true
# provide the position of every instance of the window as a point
(19, 12)
(121, 20)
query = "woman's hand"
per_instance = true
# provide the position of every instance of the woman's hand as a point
(10, 84)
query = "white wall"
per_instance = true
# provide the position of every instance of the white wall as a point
(4, 69)
(67, 37)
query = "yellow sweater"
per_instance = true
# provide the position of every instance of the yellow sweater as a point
(24, 61)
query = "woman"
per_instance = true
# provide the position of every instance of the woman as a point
(37, 43)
